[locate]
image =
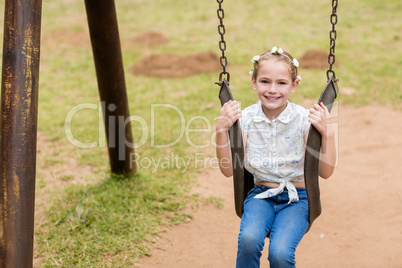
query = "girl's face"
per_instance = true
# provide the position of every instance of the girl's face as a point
(274, 85)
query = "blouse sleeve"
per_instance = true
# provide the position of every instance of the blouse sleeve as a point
(306, 124)
(242, 122)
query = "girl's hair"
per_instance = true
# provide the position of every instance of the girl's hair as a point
(285, 57)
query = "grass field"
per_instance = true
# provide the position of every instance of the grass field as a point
(112, 221)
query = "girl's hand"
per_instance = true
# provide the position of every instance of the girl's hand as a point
(319, 118)
(228, 115)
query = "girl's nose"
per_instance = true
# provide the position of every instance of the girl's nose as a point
(272, 89)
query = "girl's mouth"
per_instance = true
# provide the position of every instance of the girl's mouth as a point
(272, 99)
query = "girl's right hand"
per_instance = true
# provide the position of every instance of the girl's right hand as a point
(228, 115)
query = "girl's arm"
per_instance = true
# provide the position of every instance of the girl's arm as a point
(229, 113)
(319, 118)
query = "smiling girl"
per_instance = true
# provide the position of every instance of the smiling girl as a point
(274, 131)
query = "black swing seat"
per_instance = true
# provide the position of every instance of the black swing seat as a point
(243, 180)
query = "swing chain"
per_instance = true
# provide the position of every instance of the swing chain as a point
(222, 43)
(332, 37)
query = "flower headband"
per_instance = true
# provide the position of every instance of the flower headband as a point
(276, 51)
(279, 51)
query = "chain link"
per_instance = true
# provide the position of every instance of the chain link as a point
(332, 38)
(222, 43)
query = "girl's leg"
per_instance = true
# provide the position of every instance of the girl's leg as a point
(288, 229)
(255, 224)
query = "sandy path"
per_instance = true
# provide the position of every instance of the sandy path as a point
(361, 223)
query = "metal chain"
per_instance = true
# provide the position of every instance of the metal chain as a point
(332, 37)
(222, 43)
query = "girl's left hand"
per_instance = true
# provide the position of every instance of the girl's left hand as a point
(319, 118)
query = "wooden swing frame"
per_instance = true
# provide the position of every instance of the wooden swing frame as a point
(19, 110)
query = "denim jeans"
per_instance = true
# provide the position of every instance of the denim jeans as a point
(285, 224)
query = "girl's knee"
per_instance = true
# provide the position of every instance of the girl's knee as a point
(251, 242)
(281, 257)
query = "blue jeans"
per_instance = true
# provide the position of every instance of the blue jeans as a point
(285, 224)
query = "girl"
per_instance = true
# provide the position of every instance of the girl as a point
(275, 131)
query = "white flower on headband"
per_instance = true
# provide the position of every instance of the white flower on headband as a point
(276, 51)
(256, 59)
(299, 78)
(251, 72)
(279, 51)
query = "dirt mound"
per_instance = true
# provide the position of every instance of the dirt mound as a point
(151, 38)
(314, 59)
(58, 37)
(172, 65)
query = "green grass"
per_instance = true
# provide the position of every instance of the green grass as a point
(109, 224)
(112, 222)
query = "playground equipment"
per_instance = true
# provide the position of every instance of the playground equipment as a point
(19, 109)
(242, 179)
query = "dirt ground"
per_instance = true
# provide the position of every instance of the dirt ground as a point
(172, 65)
(361, 221)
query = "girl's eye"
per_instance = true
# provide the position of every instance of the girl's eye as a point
(264, 82)
(282, 83)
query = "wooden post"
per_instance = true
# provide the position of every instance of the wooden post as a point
(103, 28)
(18, 126)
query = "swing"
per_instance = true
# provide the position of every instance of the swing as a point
(243, 180)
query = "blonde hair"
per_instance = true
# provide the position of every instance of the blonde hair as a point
(285, 57)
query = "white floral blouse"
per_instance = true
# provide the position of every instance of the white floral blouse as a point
(275, 149)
